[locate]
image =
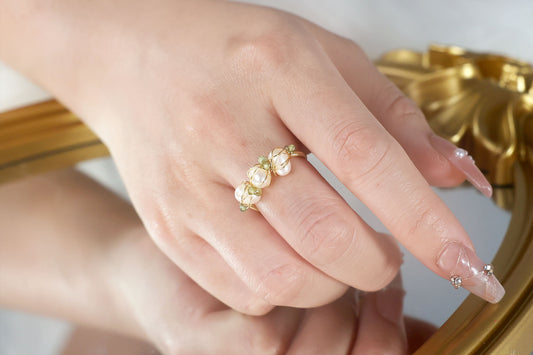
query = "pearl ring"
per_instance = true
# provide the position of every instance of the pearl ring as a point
(278, 162)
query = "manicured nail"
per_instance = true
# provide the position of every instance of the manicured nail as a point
(465, 269)
(389, 301)
(462, 161)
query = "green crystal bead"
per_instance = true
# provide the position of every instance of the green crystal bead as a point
(252, 190)
(243, 207)
(265, 163)
(291, 148)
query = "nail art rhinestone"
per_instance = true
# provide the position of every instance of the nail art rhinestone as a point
(456, 281)
(460, 153)
(488, 269)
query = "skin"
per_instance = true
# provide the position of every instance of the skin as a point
(187, 95)
(92, 262)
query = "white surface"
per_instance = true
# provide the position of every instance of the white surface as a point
(378, 26)
(27, 334)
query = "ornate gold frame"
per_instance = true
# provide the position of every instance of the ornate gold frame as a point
(482, 102)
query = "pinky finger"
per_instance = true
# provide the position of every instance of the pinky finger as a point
(381, 328)
(328, 329)
(209, 270)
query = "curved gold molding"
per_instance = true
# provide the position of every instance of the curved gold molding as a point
(482, 102)
(43, 137)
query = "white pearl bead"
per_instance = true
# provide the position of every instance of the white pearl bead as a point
(259, 177)
(279, 158)
(285, 170)
(242, 195)
(239, 191)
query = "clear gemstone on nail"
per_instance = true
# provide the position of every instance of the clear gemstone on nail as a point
(488, 269)
(460, 261)
(460, 153)
(456, 281)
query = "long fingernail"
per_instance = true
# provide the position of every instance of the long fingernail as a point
(389, 301)
(462, 161)
(465, 269)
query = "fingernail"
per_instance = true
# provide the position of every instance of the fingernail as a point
(462, 161)
(463, 265)
(389, 301)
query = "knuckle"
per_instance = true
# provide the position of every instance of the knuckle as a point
(271, 44)
(380, 278)
(161, 226)
(326, 236)
(263, 52)
(426, 221)
(397, 106)
(361, 149)
(257, 307)
(352, 47)
(282, 285)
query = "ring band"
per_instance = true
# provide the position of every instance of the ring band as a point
(278, 162)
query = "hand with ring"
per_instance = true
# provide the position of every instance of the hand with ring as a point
(111, 276)
(188, 95)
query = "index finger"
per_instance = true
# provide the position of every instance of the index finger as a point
(327, 116)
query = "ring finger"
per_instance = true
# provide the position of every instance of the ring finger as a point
(317, 223)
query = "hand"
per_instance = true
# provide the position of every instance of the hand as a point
(93, 263)
(180, 318)
(187, 95)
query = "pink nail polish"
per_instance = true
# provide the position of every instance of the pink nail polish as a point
(462, 161)
(463, 266)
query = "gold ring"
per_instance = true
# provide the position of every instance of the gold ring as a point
(278, 162)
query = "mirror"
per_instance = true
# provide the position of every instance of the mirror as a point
(427, 78)
(482, 218)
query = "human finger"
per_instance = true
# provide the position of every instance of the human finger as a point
(438, 160)
(320, 226)
(209, 270)
(327, 330)
(344, 134)
(260, 257)
(418, 332)
(381, 327)
(229, 332)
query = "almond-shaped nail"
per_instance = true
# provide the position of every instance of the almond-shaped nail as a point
(465, 269)
(462, 161)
